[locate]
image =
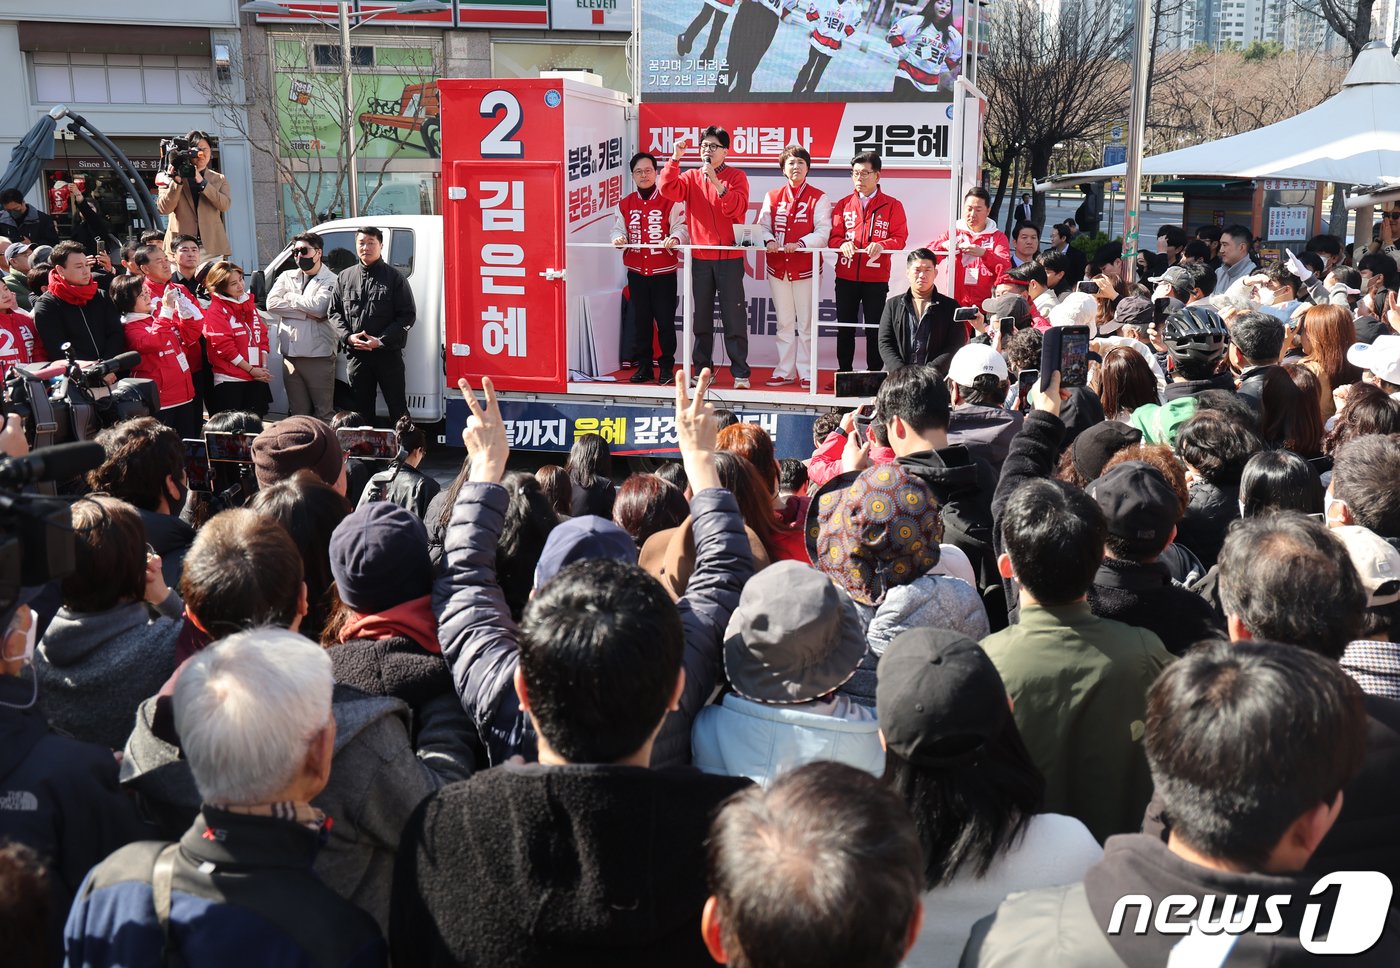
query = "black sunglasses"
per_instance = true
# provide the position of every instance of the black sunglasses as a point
(302, 251)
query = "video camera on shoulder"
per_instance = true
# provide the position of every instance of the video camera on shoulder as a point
(37, 544)
(70, 401)
(178, 154)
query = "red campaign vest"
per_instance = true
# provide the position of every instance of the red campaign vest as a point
(880, 221)
(160, 346)
(793, 218)
(648, 220)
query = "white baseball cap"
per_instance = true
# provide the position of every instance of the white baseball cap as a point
(1381, 357)
(1376, 562)
(972, 361)
(1075, 309)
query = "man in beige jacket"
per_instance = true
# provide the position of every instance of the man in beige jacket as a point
(197, 207)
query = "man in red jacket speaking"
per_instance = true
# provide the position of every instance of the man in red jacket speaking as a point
(716, 199)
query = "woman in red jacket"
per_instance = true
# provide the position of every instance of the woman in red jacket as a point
(237, 340)
(161, 341)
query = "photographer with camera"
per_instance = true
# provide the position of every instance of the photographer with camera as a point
(193, 195)
(72, 310)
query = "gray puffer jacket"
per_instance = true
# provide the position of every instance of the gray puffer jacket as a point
(95, 668)
(932, 601)
(479, 638)
(376, 782)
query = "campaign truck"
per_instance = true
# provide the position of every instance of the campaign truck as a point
(518, 279)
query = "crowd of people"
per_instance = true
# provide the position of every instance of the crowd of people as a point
(203, 340)
(999, 655)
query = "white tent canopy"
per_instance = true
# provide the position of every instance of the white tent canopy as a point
(1352, 138)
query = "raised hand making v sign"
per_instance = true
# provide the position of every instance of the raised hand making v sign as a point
(697, 428)
(484, 436)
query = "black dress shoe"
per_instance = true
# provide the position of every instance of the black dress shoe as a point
(641, 376)
(666, 380)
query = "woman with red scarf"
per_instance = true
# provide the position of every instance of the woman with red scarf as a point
(72, 310)
(237, 340)
(794, 217)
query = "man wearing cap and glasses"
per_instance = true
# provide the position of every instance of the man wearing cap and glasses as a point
(16, 280)
(301, 297)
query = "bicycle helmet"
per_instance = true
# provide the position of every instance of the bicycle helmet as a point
(1196, 338)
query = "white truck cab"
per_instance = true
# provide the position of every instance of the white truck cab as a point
(412, 245)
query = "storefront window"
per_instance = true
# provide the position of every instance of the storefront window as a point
(117, 216)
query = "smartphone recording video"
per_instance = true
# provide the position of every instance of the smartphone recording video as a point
(197, 473)
(859, 383)
(368, 443)
(230, 448)
(1066, 348)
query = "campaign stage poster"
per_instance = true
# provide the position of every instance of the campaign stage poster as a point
(803, 50)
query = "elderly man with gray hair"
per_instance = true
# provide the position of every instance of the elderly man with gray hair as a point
(254, 715)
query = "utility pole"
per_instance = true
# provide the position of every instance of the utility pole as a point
(1137, 125)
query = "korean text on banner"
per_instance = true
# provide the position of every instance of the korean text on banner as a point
(502, 220)
(801, 50)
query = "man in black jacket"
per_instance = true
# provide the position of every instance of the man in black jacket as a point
(481, 643)
(918, 326)
(23, 222)
(373, 309)
(74, 311)
(592, 855)
(1132, 586)
(1256, 340)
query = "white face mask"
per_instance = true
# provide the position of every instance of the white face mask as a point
(1265, 297)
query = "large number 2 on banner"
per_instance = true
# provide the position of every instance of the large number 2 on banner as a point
(500, 142)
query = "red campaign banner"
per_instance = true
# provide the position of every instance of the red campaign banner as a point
(909, 135)
(502, 223)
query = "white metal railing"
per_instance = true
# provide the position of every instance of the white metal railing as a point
(688, 295)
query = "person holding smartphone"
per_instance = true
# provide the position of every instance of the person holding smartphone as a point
(982, 250)
(918, 326)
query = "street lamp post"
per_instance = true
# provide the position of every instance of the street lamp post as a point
(346, 57)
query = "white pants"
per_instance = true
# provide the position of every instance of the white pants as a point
(792, 302)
